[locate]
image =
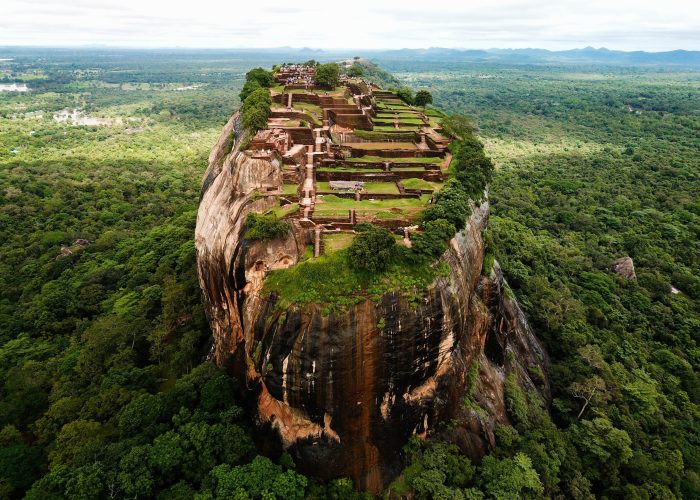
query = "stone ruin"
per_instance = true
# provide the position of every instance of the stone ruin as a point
(341, 140)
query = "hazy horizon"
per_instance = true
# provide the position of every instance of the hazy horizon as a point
(617, 25)
(326, 50)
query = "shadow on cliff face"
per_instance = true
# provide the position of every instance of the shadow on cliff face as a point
(509, 346)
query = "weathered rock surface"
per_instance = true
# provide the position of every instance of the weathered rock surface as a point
(624, 267)
(343, 392)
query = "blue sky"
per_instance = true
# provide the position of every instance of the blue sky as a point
(616, 24)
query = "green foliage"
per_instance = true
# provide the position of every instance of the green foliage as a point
(259, 479)
(327, 75)
(142, 412)
(457, 126)
(261, 76)
(355, 70)
(432, 242)
(600, 443)
(265, 227)
(470, 165)
(372, 250)
(362, 227)
(516, 402)
(255, 79)
(256, 109)
(510, 478)
(438, 471)
(338, 489)
(20, 466)
(451, 203)
(423, 98)
(405, 94)
(248, 88)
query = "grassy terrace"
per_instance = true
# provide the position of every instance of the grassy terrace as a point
(386, 134)
(369, 158)
(325, 187)
(381, 187)
(414, 121)
(392, 128)
(392, 106)
(290, 189)
(402, 121)
(349, 169)
(332, 242)
(369, 187)
(308, 107)
(381, 145)
(334, 285)
(408, 169)
(286, 123)
(314, 111)
(298, 91)
(400, 116)
(286, 210)
(331, 206)
(415, 183)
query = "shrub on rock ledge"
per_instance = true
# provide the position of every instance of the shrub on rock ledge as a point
(372, 250)
(265, 227)
(256, 110)
(432, 242)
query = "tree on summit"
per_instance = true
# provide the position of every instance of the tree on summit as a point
(423, 98)
(372, 250)
(327, 75)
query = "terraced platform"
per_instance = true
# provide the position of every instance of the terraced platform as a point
(353, 153)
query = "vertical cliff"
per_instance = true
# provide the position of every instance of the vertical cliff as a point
(343, 392)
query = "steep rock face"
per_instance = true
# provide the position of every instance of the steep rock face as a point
(344, 392)
(499, 341)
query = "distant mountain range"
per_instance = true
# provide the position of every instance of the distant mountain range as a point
(587, 55)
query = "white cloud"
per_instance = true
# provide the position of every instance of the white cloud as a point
(362, 24)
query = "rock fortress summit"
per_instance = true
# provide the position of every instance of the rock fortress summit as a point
(341, 253)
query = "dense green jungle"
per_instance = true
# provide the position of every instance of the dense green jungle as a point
(105, 391)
